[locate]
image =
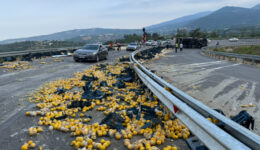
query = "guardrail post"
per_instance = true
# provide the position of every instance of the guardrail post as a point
(253, 61)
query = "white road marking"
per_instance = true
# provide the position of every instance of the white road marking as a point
(14, 134)
(225, 66)
(206, 63)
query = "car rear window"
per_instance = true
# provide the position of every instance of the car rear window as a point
(133, 44)
(91, 47)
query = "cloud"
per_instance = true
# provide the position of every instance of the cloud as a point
(23, 18)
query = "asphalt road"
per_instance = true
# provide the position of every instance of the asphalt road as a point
(13, 102)
(217, 83)
(15, 86)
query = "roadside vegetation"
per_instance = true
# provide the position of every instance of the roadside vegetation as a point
(32, 45)
(128, 38)
(220, 34)
(251, 50)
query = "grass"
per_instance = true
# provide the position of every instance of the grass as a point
(251, 50)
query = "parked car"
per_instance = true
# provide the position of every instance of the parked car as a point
(149, 43)
(164, 43)
(155, 43)
(233, 39)
(132, 47)
(91, 52)
(159, 42)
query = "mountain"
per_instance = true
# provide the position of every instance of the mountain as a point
(256, 7)
(228, 17)
(77, 34)
(177, 23)
(224, 18)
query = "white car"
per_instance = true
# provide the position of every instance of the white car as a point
(132, 47)
(149, 43)
(233, 39)
(164, 43)
(155, 43)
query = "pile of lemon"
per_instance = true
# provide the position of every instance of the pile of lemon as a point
(16, 65)
(56, 116)
(29, 144)
(23, 65)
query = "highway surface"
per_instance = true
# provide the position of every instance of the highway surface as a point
(15, 86)
(217, 83)
(13, 102)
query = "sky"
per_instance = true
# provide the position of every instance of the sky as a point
(25, 18)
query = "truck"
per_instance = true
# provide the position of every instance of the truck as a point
(192, 42)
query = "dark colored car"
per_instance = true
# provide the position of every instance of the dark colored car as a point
(91, 52)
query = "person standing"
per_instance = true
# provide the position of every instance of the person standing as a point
(118, 46)
(111, 45)
(181, 47)
(176, 47)
(167, 45)
(144, 36)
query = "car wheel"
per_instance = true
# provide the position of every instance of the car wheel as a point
(97, 58)
(106, 57)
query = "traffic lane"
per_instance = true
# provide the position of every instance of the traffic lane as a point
(217, 83)
(15, 86)
(14, 129)
(7, 77)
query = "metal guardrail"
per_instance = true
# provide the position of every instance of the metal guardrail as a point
(253, 58)
(193, 114)
(241, 42)
(19, 53)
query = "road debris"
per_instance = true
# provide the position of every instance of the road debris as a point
(16, 65)
(124, 59)
(57, 56)
(129, 108)
(249, 105)
(26, 62)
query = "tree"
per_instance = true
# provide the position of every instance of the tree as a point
(155, 36)
(181, 33)
(213, 34)
(243, 33)
(253, 33)
(195, 33)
